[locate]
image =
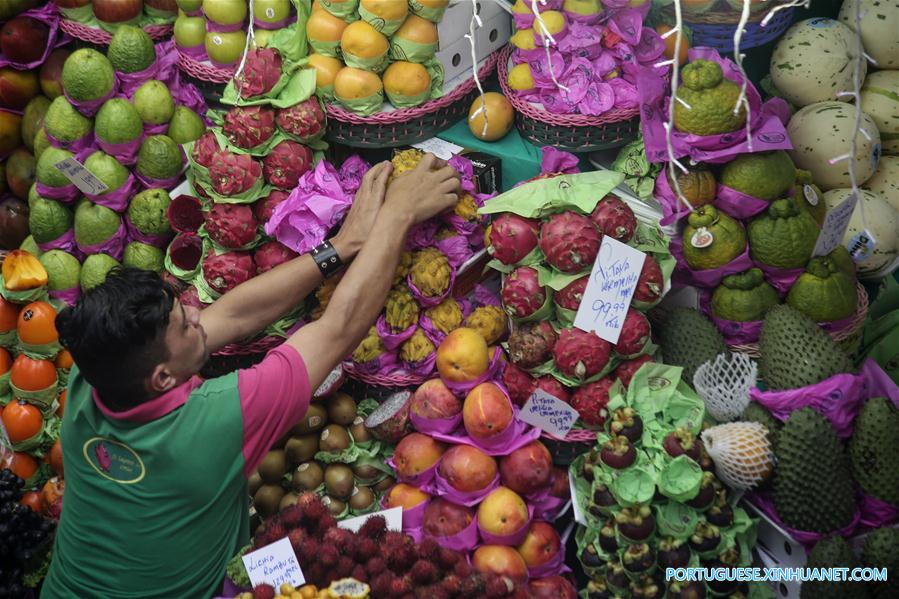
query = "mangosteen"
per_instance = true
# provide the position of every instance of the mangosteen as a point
(607, 537)
(590, 558)
(603, 497)
(638, 558)
(590, 461)
(627, 423)
(636, 524)
(618, 453)
(682, 442)
(686, 590)
(673, 553)
(647, 588)
(705, 537)
(598, 589)
(705, 460)
(721, 514)
(706, 495)
(616, 577)
(729, 558)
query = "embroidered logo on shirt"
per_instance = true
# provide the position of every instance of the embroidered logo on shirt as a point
(114, 461)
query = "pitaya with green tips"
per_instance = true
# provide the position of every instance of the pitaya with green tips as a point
(231, 226)
(570, 241)
(287, 162)
(233, 174)
(512, 237)
(625, 371)
(224, 272)
(305, 121)
(522, 293)
(249, 126)
(205, 149)
(634, 334)
(615, 218)
(580, 355)
(271, 254)
(191, 297)
(261, 71)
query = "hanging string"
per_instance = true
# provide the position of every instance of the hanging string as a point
(738, 59)
(251, 40)
(673, 162)
(783, 6)
(473, 25)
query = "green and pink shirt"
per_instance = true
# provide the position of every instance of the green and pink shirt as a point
(156, 499)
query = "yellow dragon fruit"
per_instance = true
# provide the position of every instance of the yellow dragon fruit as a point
(466, 208)
(416, 348)
(489, 321)
(323, 295)
(431, 272)
(446, 316)
(401, 309)
(445, 234)
(370, 348)
(405, 160)
(402, 269)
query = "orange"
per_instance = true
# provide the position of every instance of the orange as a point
(5, 361)
(406, 79)
(670, 41)
(322, 26)
(326, 69)
(37, 324)
(353, 83)
(32, 375)
(362, 40)
(418, 30)
(21, 420)
(499, 115)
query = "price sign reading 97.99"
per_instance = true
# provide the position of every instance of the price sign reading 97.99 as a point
(613, 280)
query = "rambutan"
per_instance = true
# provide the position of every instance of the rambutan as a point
(395, 539)
(399, 587)
(428, 549)
(498, 586)
(264, 591)
(423, 572)
(375, 566)
(434, 591)
(447, 559)
(344, 567)
(374, 528)
(380, 584)
(340, 538)
(462, 569)
(472, 585)
(326, 523)
(360, 574)
(328, 556)
(364, 548)
(452, 584)
(291, 516)
(314, 511)
(315, 574)
(308, 549)
(401, 558)
(295, 537)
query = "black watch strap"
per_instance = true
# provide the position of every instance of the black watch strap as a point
(326, 259)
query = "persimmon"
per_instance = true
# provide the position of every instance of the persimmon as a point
(22, 465)
(62, 403)
(22, 271)
(28, 374)
(56, 458)
(21, 420)
(64, 360)
(5, 361)
(34, 500)
(37, 324)
(664, 28)
(9, 315)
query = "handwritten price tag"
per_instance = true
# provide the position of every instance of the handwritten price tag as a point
(609, 291)
(80, 177)
(834, 228)
(439, 148)
(393, 516)
(274, 564)
(548, 414)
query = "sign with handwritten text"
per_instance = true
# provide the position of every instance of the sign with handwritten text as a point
(83, 179)
(274, 564)
(548, 414)
(834, 227)
(393, 517)
(615, 274)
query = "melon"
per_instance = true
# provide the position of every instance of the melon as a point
(822, 131)
(880, 100)
(813, 61)
(885, 180)
(882, 221)
(879, 24)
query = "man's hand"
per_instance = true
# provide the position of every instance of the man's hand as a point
(361, 217)
(425, 191)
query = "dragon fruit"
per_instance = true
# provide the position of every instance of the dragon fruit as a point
(554, 388)
(634, 334)
(625, 371)
(570, 241)
(445, 316)
(590, 401)
(205, 149)
(270, 255)
(249, 126)
(651, 283)
(431, 272)
(185, 214)
(522, 293)
(389, 422)
(519, 383)
(416, 348)
(512, 237)
(531, 344)
(305, 121)
(185, 251)
(615, 218)
(190, 297)
(231, 226)
(174, 282)
(466, 208)
(261, 71)
(489, 321)
(286, 163)
(264, 208)
(224, 272)
(571, 295)
(580, 355)
(233, 174)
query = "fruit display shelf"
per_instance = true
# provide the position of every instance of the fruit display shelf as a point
(403, 127)
(715, 28)
(570, 132)
(101, 37)
(205, 70)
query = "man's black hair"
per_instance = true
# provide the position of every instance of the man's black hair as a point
(116, 334)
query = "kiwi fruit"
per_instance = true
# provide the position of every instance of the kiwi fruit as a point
(301, 449)
(254, 482)
(361, 499)
(334, 439)
(383, 485)
(335, 506)
(273, 466)
(342, 409)
(288, 499)
(365, 470)
(339, 480)
(315, 419)
(308, 476)
(267, 499)
(358, 430)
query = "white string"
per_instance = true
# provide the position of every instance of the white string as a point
(548, 40)
(251, 38)
(738, 59)
(675, 75)
(784, 6)
(474, 24)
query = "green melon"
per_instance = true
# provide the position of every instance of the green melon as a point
(87, 75)
(47, 173)
(154, 102)
(118, 122)
(159, 158)
(65, 123)
(131, 49)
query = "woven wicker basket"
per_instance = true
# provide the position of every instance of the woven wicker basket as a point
(715, 28)
(408, 125)
(100, 37)
(205, 71)
(564, 451)
(571, 132)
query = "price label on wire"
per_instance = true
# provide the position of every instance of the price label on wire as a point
(835, 223)
(83, 179)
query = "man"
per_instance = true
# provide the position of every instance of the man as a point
(156, 459)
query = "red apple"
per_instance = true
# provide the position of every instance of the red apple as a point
(17, 88)
(527, 469)
(467, 469)
(51, 72)
(24, 39)
(434, 400)
(500, 560)
(13, 223)
(444, 518)
(117, 11)
(541, 544)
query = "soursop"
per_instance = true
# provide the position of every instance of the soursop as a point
(813, 487)
(881, 550)
(689, 340)
(795, 352)
(832, 552)
(874, 447)
(756, 412)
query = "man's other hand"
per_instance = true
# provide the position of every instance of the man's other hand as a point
(427, 190)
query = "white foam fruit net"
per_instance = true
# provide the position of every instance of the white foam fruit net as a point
(724, 384)
(741, 451)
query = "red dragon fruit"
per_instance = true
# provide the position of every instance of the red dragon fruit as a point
(249, 126)
(569, 241)
(270, 255)
(185, 214)
(286, 163)
(531, 344)
(233, 174)
(554, 388)
(174, 282)
(580, 355)
(263, 209)
(231, 226)
(634, 334)
(571, 295)
(185, 251)
(627, 369)
(590, 401)
(519, 383)
(522, 293)
(651, 283)
(190, 297)
(304, 121)
(224, 272)
(205, 149)
(261, 72)
(615, 218)
(512, 237)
